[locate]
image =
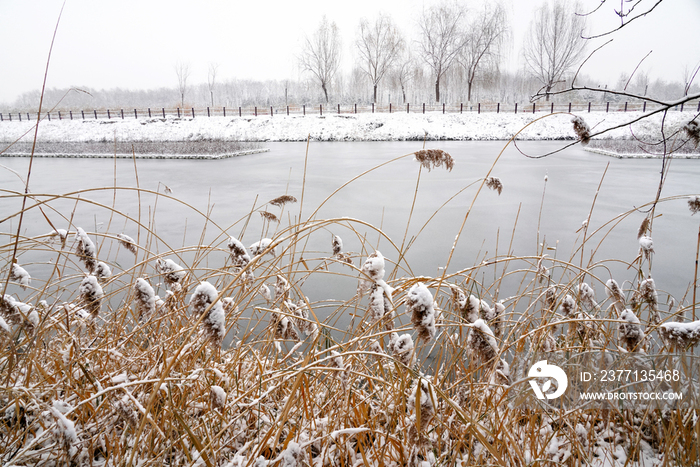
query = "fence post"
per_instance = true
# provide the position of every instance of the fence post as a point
(516, 107)
(607, 107)
(224, 111)
(389, 107)
(70, 112)
(478, 107)
(304, 109)
(20, 116)
(287, 110)
(256, 111)
(533, 107)
(1, 119)
(589, 107)
(122, 112)
(271, 113)
(498, 107)
(9, 115)
(192, 112)
(423, 107)
(372, 107)
(461, 107)
(109, 115)
(59, 115)
(208, 114)
(48, 114)
(135, 115)
(240, 112)
(626, 107)
(443, 108)
(355, 107)
(552, 109)
(681, 105)
(320, 109)
(163, 112)
(27, 115)
(408, 108)
(149, 112)
(338, 109)
(95, 113)
(178, 112)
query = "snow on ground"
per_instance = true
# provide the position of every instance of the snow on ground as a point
(345, 127)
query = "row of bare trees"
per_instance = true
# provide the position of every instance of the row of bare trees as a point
(451, 34)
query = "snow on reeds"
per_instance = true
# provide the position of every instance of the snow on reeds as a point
(389, 366)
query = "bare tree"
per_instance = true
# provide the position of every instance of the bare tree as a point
(182, 70)
(402, 72)
(379, 45)
(211, 80)
(321, 54)
(554, 43)
(482, 49)
(442, 37)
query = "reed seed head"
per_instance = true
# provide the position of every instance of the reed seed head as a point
(282, 200)
(583, 132)
(431, 158)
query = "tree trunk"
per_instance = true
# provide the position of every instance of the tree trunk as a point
(469, 91)
(437, 90)
(549, 88)
(403, 93)
(325, 91)
(375, 94)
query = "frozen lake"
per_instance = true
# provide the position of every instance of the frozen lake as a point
(229, 189)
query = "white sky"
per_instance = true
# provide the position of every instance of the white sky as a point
(135, 43)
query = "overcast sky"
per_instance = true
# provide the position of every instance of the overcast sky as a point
(136, 43)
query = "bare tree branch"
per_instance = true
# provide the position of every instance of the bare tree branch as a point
(321, 54)
(379, 44)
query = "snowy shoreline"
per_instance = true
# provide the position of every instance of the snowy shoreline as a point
(138, 156)
(433, 126)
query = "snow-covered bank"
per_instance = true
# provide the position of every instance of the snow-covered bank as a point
(10, 153)
(344, 127)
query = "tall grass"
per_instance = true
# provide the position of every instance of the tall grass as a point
(134, 351)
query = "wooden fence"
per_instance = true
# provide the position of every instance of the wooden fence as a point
(254, 111)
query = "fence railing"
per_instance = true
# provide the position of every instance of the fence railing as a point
(320, 109)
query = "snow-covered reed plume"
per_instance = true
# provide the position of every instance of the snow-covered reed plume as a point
(281, 289)
(481, 343)
(372, 272)
(217, 397)
(587, 296)
(614, 293)
(258, 248)
(694, 204)
(380, 307)
(468, 307)
(264, 292)
(336, 361)
(494, 318)
(495, 184)
(172, 273)
(15, 312)
(102, 271)
(420, 304)
(145, 298)
(631, 332)
(214, 323)
(682, 335)
(401, 347)
(61, 235)
(337, 244)
(86, 250)
(643, 227)
(20, 275)
(282, 200)
(239, 255)
(692, 130)
(427, 402)
(128, 243)
(431, 158)
(647, 292)
(583, 132)
(542, 271)
(302, 321)
(646, 247)
(282, 326)
(568, 306)
(91, 295)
